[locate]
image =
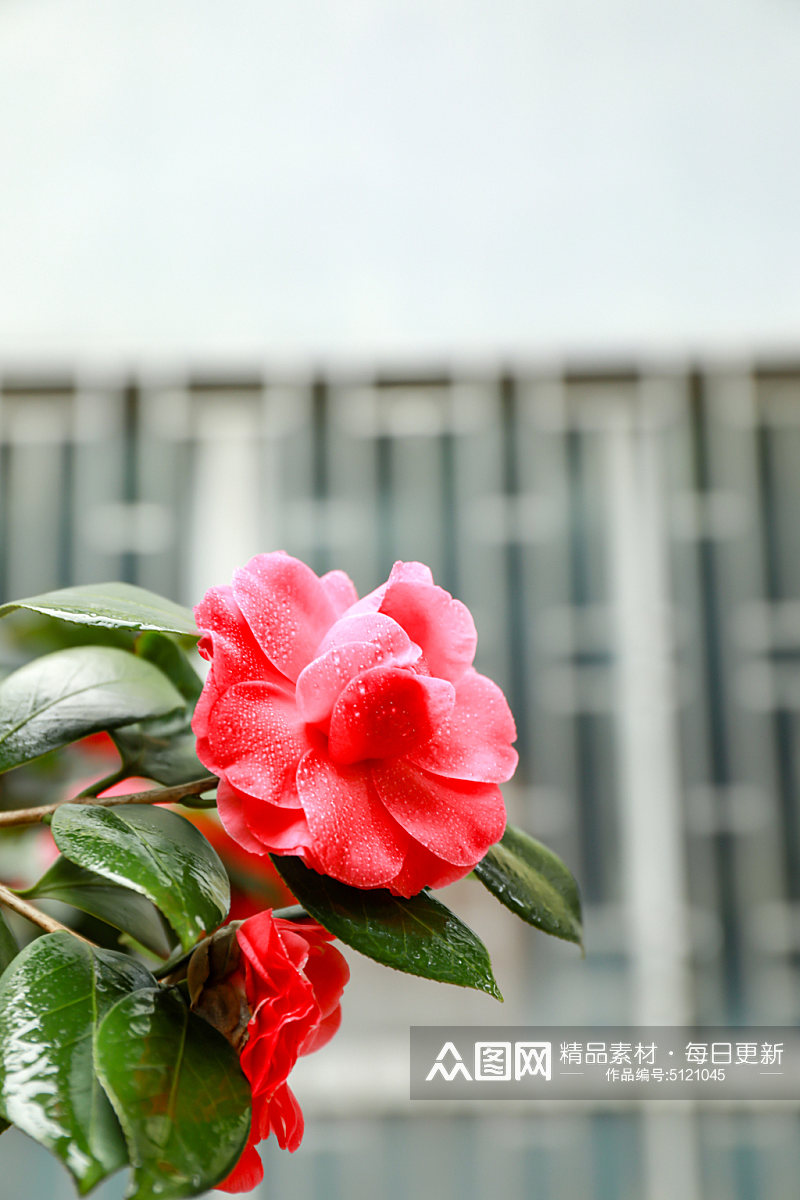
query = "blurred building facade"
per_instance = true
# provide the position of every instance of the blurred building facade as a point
(628, 543)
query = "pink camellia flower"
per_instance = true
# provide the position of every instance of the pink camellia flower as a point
(353, 733)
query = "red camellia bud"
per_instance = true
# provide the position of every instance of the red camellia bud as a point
(353, 733)
(272, 987)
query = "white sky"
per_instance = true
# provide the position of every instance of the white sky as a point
(323, 179)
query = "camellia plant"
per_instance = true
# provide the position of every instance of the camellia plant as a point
(350, 746)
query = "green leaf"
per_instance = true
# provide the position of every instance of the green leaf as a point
(63, 696)
(114, 605)
(420, 935)
(178, 1090)
(126, 910)
(167, 655)
(163, 748)
(534, 883)
(50, 1000)
(8, 945)
(153, 851)
(164, 752)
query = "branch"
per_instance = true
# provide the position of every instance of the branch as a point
(170, 795)
(12, 900)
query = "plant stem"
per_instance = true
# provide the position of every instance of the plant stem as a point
(30, 816)
(100, 786)
(295, 912)
(25, 909)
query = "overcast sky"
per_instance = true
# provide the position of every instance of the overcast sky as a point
(373, 179)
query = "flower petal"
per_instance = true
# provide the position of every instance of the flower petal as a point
(261, 827)
(354, 838)
(321, 1034)
(375, 641)
(372, 627)
(340, 590)
(321, 682)
(405, 572)
(228, 641)
(423, 869)
(385, 712)
(441, 626)
(247, 1173)
(230, 806)
(327, 971)
(286, 1118)
(410, 572)
(287, 608)
(202, 710)
(456, 821)
(474, 742)
(256, 739)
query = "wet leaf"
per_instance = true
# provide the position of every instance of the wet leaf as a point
(164, 751)
(420, 935)
(61, 697)
(163, 748)
(8, 945)
(114, 605)
(534, 883)
(164, 652)
(124, 909)
(178, 1091)
(153, 851)
(50, 1000)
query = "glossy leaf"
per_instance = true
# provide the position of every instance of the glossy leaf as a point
(124, 909)
(114, 605)
(50, 999)
(534, 883)
(420, 935)
(63, 696)
(153, 851)
(178, 1090)
(163, 748)
(8, 945)
(163, 652)
(164, 752)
